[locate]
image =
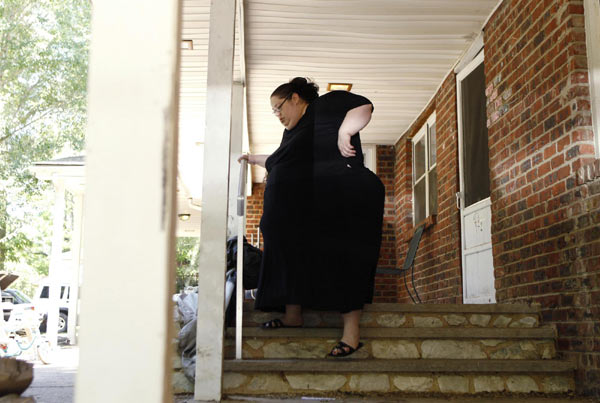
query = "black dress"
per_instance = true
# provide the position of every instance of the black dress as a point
(322, 216)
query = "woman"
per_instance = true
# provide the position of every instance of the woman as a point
(322, 213)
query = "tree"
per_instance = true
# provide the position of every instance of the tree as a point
(43, 75)
(186, 249)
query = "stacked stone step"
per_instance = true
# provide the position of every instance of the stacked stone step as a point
(448, 349)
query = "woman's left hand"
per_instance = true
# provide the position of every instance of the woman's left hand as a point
(344, 145)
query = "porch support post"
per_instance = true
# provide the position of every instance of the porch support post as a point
(215, 186)
(54, 272)
(129, 210)
(76, 259)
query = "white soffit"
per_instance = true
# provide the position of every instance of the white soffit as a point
(395, 52)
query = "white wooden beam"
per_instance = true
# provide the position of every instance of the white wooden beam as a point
(76, 259)
(211, 285)
(55, 274)
(129, 209)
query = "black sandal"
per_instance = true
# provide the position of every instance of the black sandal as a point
(344, 350)
(275, 324)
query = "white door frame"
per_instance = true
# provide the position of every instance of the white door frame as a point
(592, 35)
(482, 204)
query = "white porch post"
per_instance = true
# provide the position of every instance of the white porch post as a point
(76, 253)
(129, 210)
(54, 273)
(211, 287)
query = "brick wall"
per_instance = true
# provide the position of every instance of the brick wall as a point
(544, 222)
(254, 211)
(385, 172)
(438, 275)
(386, 287)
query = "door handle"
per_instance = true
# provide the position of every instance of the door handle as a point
(458, 199)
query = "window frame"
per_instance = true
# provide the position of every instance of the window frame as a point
(592, 34)
(423, 132)
(370, 156)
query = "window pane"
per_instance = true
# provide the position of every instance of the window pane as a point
(433, 191)
(419, 158)
(432, 145)
(419, 201)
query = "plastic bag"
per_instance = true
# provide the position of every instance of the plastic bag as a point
(187, 305)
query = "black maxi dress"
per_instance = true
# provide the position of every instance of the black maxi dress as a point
(322, 216)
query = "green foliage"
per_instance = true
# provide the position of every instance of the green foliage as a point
(186, 252)
(43, 76)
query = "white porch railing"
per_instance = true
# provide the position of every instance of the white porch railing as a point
(239, 300)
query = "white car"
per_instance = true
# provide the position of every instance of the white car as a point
(41, 302)
(14, 304)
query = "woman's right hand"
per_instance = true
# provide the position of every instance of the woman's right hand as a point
(254, 159)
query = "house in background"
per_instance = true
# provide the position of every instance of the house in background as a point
(485, 132)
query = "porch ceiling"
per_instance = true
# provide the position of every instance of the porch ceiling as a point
(395, 52)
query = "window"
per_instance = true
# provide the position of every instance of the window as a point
(46, 292)
(424, 172)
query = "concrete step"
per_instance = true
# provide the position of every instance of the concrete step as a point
(421, 315)
(441, 333)
(409, 343)
(356, 376)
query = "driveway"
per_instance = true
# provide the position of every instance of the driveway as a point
(55, 383)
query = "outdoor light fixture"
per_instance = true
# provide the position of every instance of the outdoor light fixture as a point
(184, 217)
(187, 44)
(339, 87)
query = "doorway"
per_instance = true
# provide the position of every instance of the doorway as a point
(473, 200)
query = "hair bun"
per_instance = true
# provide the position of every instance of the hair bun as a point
(299, 82)
(304, 87)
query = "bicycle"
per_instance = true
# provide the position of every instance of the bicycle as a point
(20, 336)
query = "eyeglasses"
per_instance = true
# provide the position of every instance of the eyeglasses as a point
(277, 109)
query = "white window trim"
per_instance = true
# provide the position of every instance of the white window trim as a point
(592, 34)
(416, 138)
(369, 150)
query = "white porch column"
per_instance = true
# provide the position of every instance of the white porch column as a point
(54, 271)
(129, 210)
(211, 285)
(76, 259)
(235, 150)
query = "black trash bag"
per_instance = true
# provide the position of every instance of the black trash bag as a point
(231, 307)
(252, 259)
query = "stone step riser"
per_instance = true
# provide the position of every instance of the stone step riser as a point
(400, 320)
(294, 383)
(397, 348)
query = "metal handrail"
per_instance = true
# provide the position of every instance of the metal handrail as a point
(239, 300)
